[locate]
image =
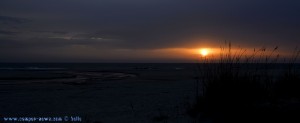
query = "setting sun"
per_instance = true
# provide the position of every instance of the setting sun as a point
(204, 52)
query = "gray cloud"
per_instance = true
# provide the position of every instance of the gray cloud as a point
(12, 20)
(3, 32)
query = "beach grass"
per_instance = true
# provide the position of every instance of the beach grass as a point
(246, 88)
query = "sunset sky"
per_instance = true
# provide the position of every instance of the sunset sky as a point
(141, 30)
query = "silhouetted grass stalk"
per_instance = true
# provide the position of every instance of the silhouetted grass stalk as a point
(242, 88)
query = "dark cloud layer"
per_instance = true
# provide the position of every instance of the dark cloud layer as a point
(109, 25)
(11, 20)
(3, 32)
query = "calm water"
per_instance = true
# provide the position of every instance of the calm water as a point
(50, 70)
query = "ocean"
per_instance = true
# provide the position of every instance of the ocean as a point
(102, 92)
